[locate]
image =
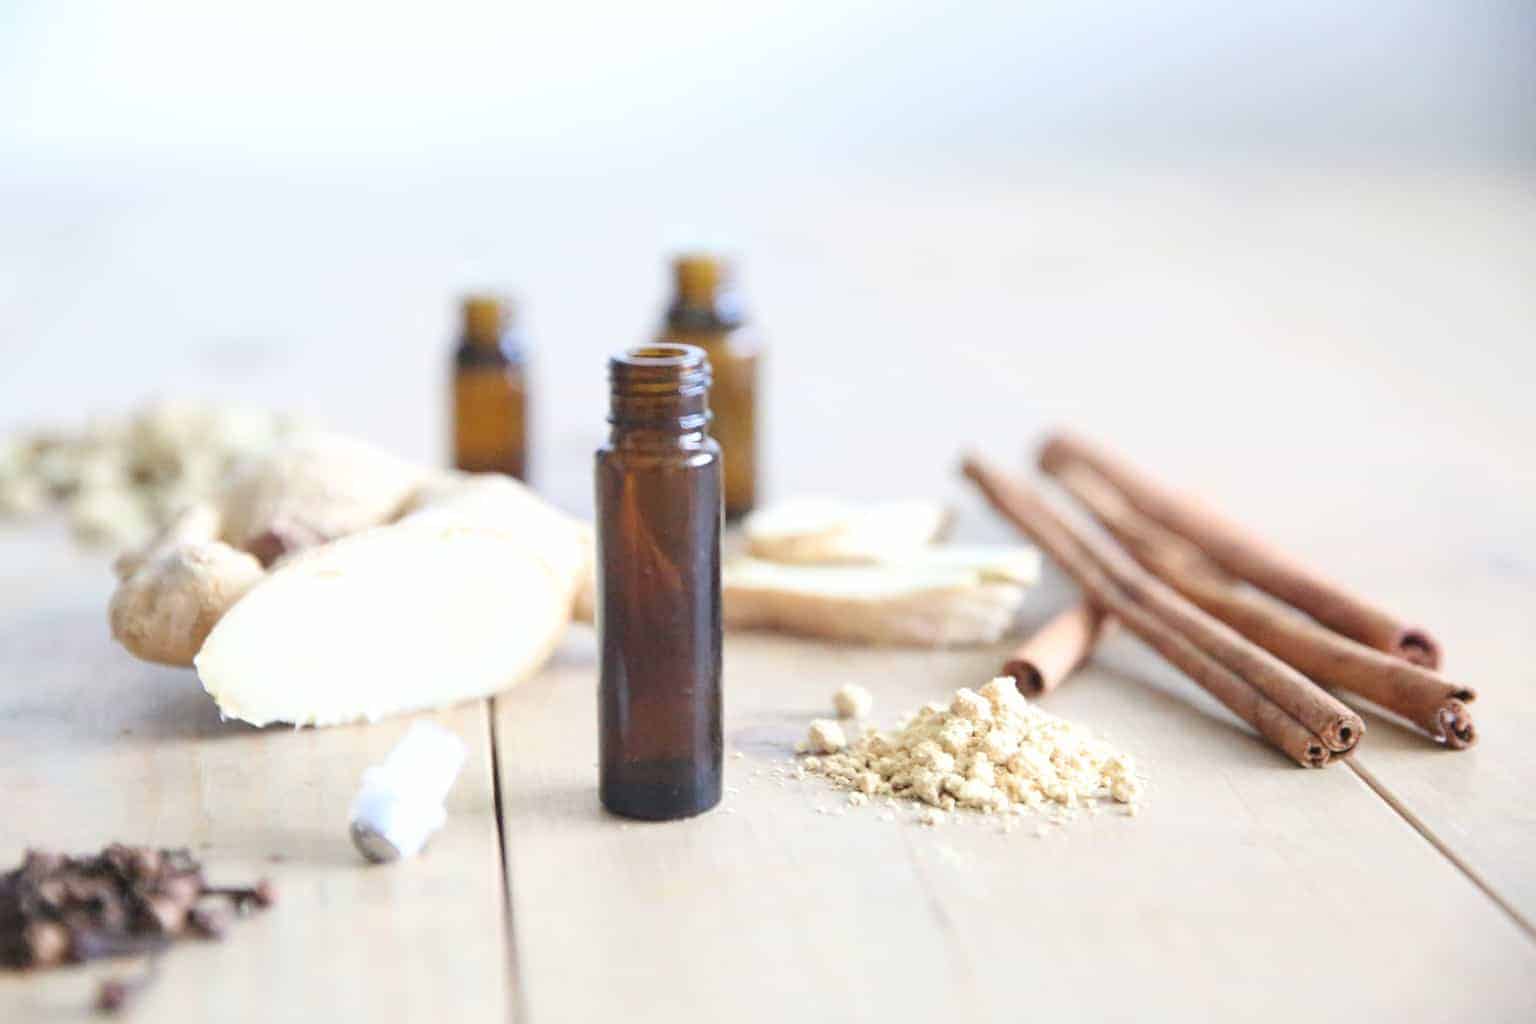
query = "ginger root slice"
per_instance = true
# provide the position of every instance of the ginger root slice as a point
(885, 604)
(466, 595)
(491, 501)
(394, 619)
(829, 530)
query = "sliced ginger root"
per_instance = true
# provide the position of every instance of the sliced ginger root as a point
(311, 489)
(827, 530)
(333, 583)
(465, 595)
(398, 618)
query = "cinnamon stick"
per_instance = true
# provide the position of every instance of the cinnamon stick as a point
(1245, 556)
(1412, 691)
(1130, 594)
(1339, 726)
(1056, 650)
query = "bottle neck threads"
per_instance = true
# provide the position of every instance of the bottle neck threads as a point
(663, 387)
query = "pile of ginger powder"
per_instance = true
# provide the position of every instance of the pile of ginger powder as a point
(988, 750)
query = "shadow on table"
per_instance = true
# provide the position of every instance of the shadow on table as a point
(63, 674)
(1164, 692)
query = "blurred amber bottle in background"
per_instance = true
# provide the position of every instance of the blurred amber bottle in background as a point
(705, 311)
(490, 390)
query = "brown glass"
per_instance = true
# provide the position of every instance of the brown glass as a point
(658, 534)
(705, 312)
(490, 392)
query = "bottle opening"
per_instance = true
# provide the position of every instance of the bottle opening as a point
(660, 369)
(663, 354)
(662, 381)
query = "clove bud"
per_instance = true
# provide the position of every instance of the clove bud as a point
(123, 901)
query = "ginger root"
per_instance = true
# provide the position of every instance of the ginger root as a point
(871, 572)
(826, 531)
(118, 479)
(331, 583)
(465, 595)
(876, 604)
(172, 593)
(314, 489)
(393, 619)
(310, 489)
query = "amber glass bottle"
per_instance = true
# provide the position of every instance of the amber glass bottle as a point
(658, 535)
(490, 391)
(705, 311)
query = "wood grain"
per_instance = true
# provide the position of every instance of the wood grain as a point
(96, 747)
(1452, 542)
(1239, 879)
(1341, 360)
(1485, 814)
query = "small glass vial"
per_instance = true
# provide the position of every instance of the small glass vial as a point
(658, 535)
(706, 311)
(490, 391)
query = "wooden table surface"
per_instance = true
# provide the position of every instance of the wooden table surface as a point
(1340, 359)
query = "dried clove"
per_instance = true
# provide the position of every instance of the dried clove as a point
(208, 924)
(114, 994)
(123, 901)
(261, 895)
(46, 942)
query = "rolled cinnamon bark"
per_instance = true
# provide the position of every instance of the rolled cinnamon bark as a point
(1412, 691)
(1339, 726)
(1245, 556)
(1085, 557)
(1056, 650)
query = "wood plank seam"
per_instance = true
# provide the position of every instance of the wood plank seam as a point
(1442, 847)
(509, 934)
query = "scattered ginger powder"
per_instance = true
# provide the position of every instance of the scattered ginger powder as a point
(988, 750)
(853, 702)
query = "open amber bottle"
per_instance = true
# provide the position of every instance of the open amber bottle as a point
(658, 535)
(706, 312)
(490, 390)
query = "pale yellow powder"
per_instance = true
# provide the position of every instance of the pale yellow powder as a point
(853, 702)
(988, 750)
(825, 737)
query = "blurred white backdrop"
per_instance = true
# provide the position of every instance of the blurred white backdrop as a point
(279, 201)
(299, 86)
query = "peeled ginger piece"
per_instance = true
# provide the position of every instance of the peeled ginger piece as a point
(870, 573)
(999, 563)
(933, 606)
(831, 530)
(393, 619)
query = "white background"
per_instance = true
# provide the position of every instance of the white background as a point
(279, 202)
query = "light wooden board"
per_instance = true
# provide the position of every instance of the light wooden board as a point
(1340, 359)
(1482, 808)
(1440, 533)
(1246, 886)
(95, 747)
